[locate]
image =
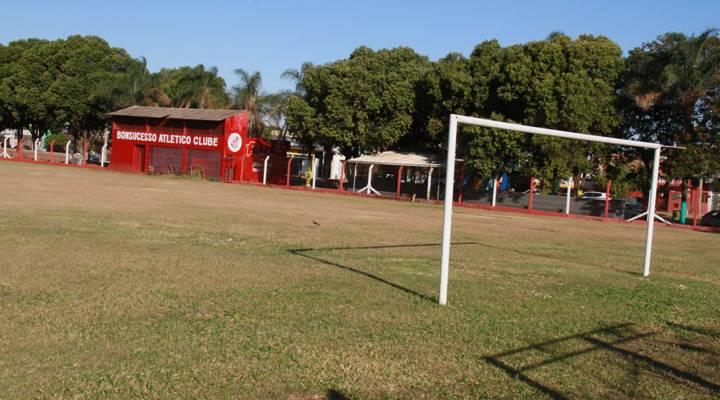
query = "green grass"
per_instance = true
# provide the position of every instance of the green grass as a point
(127, 286)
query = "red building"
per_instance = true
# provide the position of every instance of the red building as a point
(211, 143)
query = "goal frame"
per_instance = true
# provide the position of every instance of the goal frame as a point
(450, 181)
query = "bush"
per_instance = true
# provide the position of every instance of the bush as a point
(59, 139)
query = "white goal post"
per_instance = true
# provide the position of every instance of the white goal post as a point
(450, 181)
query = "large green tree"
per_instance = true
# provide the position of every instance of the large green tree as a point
(27, 74)
(558, 83)
(366, 101)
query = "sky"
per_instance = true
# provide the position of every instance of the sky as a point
(272, 36)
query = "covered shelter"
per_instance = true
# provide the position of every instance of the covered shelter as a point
(403, 161)
(214, 143)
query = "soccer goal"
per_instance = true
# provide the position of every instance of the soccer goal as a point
(450, 181)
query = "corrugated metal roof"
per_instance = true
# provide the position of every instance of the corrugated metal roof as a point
(404, 159)
(196, 114)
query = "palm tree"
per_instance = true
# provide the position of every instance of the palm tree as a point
(247, 96)
(297, 76)
(674, 83)
(676, 69)
(157, 97)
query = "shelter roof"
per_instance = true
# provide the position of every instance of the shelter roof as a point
(400, 159)
(196, 114)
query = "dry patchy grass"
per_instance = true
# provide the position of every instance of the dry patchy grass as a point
(127, 286)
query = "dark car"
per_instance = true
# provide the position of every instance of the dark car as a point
(711, 219)
(632, 209)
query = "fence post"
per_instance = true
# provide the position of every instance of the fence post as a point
(5, 153)
(67, 152)
(698, 202)
(37, 144)
(20, 148)
(265, 164)
(52, 147)
(287, 179)
(315, 162)
(103, 155)
(532, 192)
(494, 191)
(567, 199)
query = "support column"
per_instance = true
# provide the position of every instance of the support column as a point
(342, 177)
(354, 176)
(52, 147)
(429, 183)
(399, 181)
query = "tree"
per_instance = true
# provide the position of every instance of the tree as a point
(187, 87)
(670, 95)
(26, 79)
(578, 80)
(366, 101)
(301, 121)
(297, 76)
(557, 83)
(85, 90)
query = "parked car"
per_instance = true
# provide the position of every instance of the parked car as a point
(564, 183)
(632, 209)
(593, 196)
(711, 219)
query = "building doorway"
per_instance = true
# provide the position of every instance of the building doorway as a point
(139, 158)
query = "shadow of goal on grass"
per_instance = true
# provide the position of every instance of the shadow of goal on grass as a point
(593, 343)
(304, 253)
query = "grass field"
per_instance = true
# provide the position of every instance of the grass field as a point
(128, 286)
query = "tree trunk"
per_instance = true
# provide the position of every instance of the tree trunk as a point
(555, 181)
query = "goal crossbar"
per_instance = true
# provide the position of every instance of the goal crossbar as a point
(450, 181)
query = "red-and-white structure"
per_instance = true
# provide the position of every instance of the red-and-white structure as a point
(212, 143)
